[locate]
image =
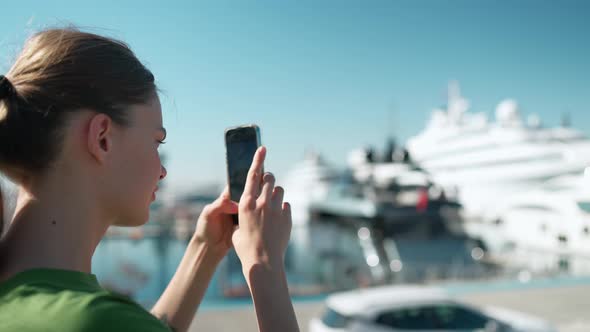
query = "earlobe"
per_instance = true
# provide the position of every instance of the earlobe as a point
(99, 138)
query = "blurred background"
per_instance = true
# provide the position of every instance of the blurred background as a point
(419, 142)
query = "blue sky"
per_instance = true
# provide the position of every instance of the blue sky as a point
(330, 75)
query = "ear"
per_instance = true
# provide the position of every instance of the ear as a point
(100, 136)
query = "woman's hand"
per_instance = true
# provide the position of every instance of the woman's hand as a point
(265, 222)
(215, 225)
(209, 244)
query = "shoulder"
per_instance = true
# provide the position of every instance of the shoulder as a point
(46, 307)
(112, 312)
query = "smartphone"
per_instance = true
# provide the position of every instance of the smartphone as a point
(240, 145)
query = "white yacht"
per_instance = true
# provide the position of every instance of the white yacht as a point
(547, 227)
(308, 181)
(487, 161)
(352, 217)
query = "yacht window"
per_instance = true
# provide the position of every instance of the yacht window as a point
(533, 207)
(556, 187)
(563, 264)
(584, 206)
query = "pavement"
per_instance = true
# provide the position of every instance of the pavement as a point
(566, 306)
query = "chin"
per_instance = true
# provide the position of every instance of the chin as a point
(132, 221)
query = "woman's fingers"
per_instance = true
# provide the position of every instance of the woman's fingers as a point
(226, 194)
(287, 215)
(228, 207)
(268, 184)
(252, 187)
(277, 198)
(287, 209)
(223, 204)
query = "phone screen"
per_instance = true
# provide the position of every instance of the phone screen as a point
(241, 144)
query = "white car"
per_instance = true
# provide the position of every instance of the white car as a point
(415, 308)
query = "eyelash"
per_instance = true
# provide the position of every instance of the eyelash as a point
(161, 142)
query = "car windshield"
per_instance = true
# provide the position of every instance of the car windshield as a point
(440, 317)
(334, 319)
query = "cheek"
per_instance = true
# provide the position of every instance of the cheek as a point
(145, 171)
(151, 168)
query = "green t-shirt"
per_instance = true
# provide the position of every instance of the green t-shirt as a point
(60, 300)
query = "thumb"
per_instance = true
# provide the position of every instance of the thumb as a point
(223, 205)
(228, 207)
(225, 194)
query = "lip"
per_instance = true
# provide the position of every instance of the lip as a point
(154, 194)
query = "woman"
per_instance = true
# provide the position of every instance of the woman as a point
(80, 126)
(1, 213)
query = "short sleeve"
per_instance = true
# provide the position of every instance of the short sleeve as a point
(118, 314)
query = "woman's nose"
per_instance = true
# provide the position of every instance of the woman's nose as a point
(163, 173)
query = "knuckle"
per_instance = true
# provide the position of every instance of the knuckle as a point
(252, 174)
(263, 203)
(246, 202)
(242, 208)
(251, 205)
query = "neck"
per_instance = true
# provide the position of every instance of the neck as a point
(54, 227)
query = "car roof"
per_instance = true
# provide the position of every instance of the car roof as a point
(370, 301)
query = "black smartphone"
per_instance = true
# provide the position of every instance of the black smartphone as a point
(240, 145)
